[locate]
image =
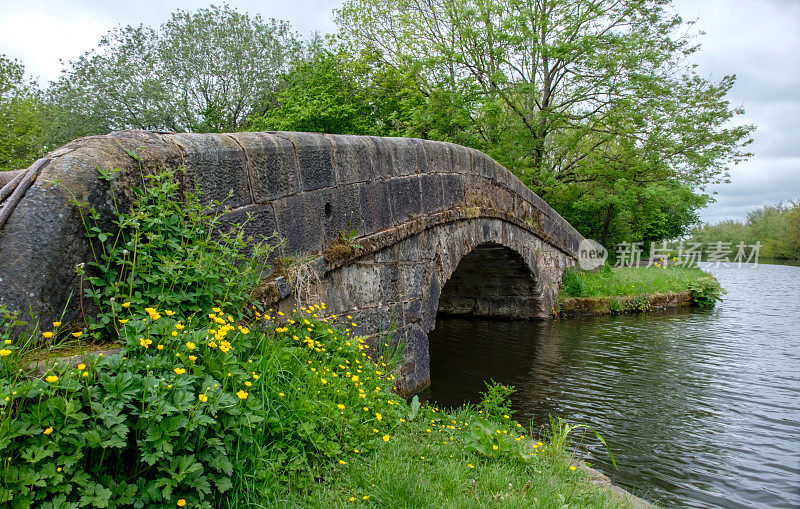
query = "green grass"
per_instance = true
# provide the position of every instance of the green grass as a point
(418, 468)
(614, 282)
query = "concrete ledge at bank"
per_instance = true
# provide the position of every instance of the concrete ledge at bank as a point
(591, 306)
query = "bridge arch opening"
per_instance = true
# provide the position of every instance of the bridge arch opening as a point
(492, 280)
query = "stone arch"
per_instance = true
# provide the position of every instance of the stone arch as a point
(492, 280)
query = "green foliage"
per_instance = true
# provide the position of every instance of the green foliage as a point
(775, 227)
(572, 284)
(132, 428)
(190, 407)
(321, 95)
(706, 291)
(169, 250)
(618, 141)
(22, 117)
(203, 71)
(560, 431)
(496, 401)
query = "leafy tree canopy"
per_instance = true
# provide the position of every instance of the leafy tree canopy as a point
(577, 97)
(21, 123)
(202, 71)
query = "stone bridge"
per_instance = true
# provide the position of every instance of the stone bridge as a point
(440, 227)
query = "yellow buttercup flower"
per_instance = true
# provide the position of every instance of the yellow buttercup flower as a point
(203, 398)
(77, 334)
(572, 467)
(81, 366)
(179, 326)
(126, 304)
(179, 371)
(4, 352)
(192, 358)
(123, 322)
(378, 416)
(385, 438)
(181, 503)
(340, 406)
(56, 324)
(190, 345)
(47, 335)
(248, 383)
(52, 379)
(48, 430)
(169, 313)
(160, 347)
(241, 395)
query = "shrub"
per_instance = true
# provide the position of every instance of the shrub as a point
(188, 409)
(170, 251)
(706, 291)
(572, 285)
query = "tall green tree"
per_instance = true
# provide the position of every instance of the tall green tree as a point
(202, 71)
(592, 95)
(21, 117)
(334, 92)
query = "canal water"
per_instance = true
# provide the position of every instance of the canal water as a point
(701, 408)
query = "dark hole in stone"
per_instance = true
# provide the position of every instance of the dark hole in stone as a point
(328, 210)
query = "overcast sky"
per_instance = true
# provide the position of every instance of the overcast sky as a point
(758, 40)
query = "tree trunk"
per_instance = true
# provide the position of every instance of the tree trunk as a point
(606, 223)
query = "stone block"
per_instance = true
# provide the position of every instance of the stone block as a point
(353, 158)
(314, 158)
(452, 190)
(272, 165)
(376, 213)
(299, 222)
(438, 156)
(384, 158)
(432, 193)
(216, 165)
(341, 211)
(406, 199)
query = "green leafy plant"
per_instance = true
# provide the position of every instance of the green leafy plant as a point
(560, 431)
(170, 251)
(496, 402)
(638, 304)
(706, 291)
(571, 284)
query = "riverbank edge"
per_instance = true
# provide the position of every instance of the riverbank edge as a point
(622, 304)
(604, 482)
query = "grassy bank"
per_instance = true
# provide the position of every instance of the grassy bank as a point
(270, 411)
(637, 284)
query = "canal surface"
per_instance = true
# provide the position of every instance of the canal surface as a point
(701, 408)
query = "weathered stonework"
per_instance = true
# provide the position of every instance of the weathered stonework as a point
(442, 227)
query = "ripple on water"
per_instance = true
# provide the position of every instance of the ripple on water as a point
(702, 409)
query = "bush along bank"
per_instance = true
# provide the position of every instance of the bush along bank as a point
(635, 290)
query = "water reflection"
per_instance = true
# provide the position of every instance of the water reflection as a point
(702, 409)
